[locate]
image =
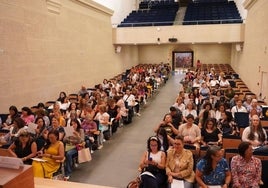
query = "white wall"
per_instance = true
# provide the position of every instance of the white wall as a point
(121, 8)
(243, 12)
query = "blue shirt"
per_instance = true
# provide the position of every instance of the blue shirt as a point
(217, 176)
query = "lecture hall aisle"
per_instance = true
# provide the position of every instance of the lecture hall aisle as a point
(117, 163)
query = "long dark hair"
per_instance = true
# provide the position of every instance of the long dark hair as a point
(78, 124)
(259, 131)
(211, 151)
(153, 138)
(20, 122)
(213, 120)
(161, 131)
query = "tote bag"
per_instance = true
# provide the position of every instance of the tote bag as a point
(84, 155)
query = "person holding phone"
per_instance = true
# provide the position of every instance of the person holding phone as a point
(152, 164)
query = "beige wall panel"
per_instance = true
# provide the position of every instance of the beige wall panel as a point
(252, 60)
(43, 53)
(225, 33)
(206, 53)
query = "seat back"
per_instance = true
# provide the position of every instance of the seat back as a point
(264, 173)
(242, 119)
(231, 142)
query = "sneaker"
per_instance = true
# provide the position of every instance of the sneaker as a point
(91, 151)
(100, 146)
(66, 178)
(76, 165)
(138, 114)
(104, 140)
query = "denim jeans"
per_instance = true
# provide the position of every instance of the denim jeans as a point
(69, 160)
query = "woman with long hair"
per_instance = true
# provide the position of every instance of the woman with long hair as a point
(213, 169)
(162, 136)
(71, 152)
(210, 134)
(13, 114)
(255, 134)
(168, 126)
(152, 164)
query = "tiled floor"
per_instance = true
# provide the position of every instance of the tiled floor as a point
(117, 163)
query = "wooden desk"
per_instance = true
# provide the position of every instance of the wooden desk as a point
(4, 152)
(48, 183)
(17, 178)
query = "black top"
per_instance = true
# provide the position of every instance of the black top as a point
(210, 137)
(23, 152)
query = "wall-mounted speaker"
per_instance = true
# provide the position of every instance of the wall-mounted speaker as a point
(173, 39)
(238, 47)
(118, 49)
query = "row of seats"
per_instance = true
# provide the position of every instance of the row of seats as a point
(212, 13)
(152, 14)
(235, 81)
(230, 142)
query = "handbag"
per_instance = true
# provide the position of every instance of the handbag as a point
(84, 155)
(134, 183)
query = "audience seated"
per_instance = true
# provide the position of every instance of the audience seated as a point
(246, 169)
(180, 164)
(53, 153)
(55, 125)
(191, 133)
(210, 134)
(190, 109)
(13, 114)
(24, 147)
(27, 115)
(176, 115)
(152, 164)
(256, 135)
(109, 111)
(227, 125)
(205, 113)
(71, 143)
(168, 126)
(40, 136)
(213, 169)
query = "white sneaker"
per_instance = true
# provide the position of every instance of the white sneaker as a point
(138, 114)
(104, 140)
(91, 151)
(100, 146)
(66, 178)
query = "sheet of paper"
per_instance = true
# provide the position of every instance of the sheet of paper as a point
(177, 184)
(10, 162)
(38, 159)
(31, 128)
(69, 131)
